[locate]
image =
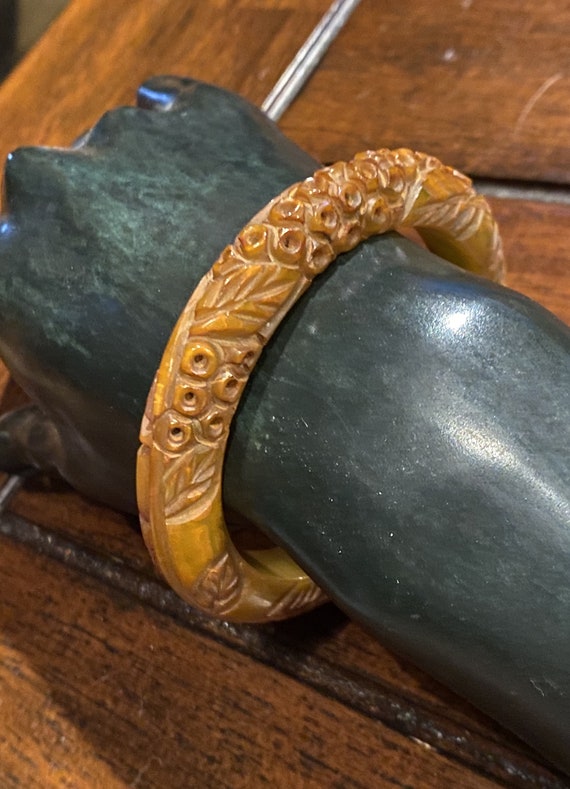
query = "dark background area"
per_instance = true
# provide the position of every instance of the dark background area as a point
(21, 24)
(8, 27)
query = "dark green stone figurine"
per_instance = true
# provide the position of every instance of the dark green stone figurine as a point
(404, 435)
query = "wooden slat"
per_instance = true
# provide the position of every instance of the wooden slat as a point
(484, 87)
(306, 650)
(483, 84)
(98, 691)
(537, 248)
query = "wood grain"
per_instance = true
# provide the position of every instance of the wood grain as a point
(293, 649)
(483, 85)
(105, 678)
(537, 248)
(92, 679)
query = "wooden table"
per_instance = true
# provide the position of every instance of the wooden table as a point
(106, 680)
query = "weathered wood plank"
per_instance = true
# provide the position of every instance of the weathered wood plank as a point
(537, 248)
(485, 88)
(331, 656)
(482, 85)
(98, 691)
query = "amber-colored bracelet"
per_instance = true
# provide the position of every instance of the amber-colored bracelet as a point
(230, 316)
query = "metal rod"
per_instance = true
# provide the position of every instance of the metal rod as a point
(9, 488)
(307, 59)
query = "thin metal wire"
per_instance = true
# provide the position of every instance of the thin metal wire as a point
(288, 86)
(9, 488)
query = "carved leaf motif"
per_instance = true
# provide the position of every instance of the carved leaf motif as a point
(242, 302)
(299, 598)
(187, 480)
(219, 586)
(460, 215)
(467, 223)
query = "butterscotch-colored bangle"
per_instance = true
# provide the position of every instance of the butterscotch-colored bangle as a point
(230, 316)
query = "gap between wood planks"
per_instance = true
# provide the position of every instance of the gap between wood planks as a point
(520, 190)
(370, 697)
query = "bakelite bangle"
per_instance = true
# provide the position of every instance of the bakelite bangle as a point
(230, 316)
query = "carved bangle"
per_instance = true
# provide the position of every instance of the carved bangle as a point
(230, 316)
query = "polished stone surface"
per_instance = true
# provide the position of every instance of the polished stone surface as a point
(101, 247)
(405, 435)
(408, 441)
